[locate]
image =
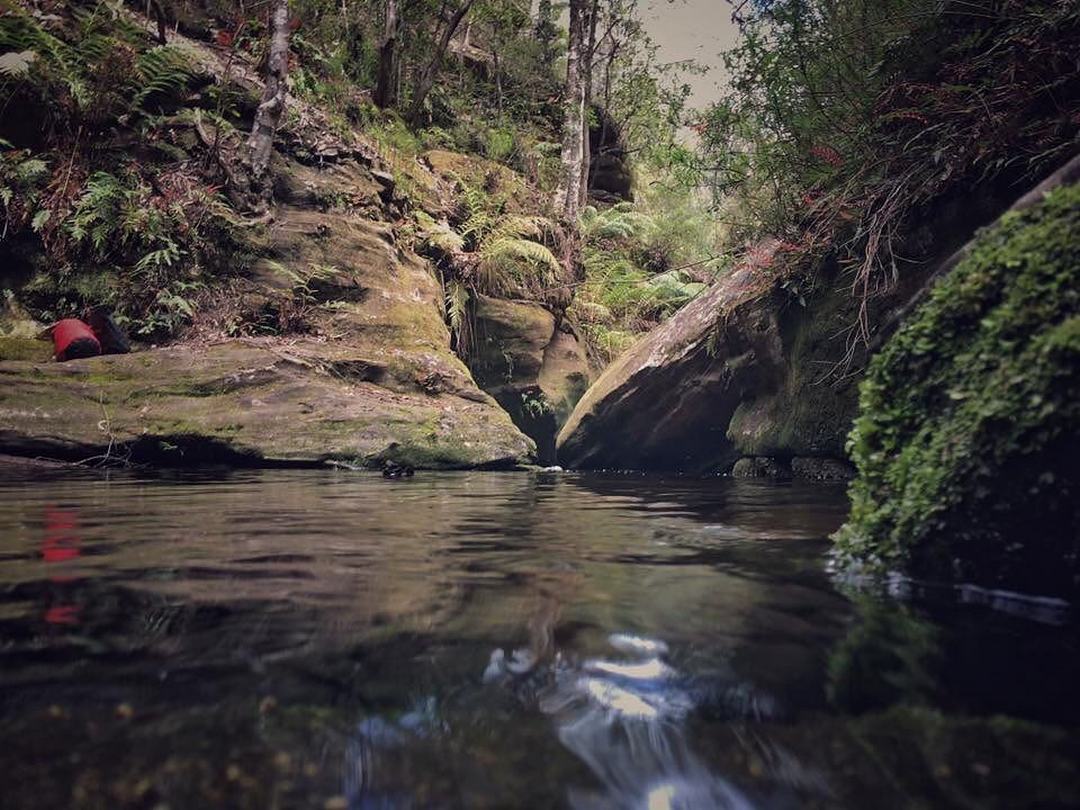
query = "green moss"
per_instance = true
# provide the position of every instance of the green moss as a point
(967, 444)
(18, 348)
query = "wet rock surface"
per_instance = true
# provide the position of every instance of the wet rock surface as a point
(666, 402)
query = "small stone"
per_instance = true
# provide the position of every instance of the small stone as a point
(56, 711)
(336, 803)
(232, 773)
(267, 704)
(125, 711)
(283, 761)
(980, 769)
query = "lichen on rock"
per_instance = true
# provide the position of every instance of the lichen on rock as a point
(967, 445)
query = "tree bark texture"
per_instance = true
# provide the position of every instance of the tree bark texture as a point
(427, 78)
(272, 107)
(568, 195)
(386, 83)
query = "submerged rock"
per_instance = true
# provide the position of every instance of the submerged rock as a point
(822, 469)
(757, 467)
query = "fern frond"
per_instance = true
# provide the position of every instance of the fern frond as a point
(16, 64)
(617, 223)
(30, 170)
(156, 259)
(457, 304)
(162, 71)
(20, 32)
(530, 227)
(508, 264)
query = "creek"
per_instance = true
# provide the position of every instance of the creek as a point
(333, 640)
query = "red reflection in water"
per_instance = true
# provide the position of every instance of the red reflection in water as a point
(62, 614)
(61, 543)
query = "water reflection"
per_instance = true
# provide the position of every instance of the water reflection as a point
(624, 718)
(60, 543)
(309, 639)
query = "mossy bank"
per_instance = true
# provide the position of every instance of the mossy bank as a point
(966, 443)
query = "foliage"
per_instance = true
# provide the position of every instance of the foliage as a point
(966, 444)
(153, 244)
(89, 68)
(22, 177)
(138, 231)
(844, 118)
(643, 262)
(644, 97)
(490, 250)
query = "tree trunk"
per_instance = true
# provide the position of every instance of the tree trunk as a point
(587, 68)
(386, 83)
(427, 78)
(568, 195)
(268, 116)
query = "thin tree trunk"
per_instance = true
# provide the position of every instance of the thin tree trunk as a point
(498, 83)
(586, 146)
(427, 78)
(568, 195)
(386, 83)
(272, 107)
(159, 15)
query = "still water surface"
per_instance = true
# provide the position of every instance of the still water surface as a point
(335, 640)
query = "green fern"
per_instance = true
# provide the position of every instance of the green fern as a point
(458, 295)
(30, 52)
(97, 211)
(525, 227)
(23, 34)
(162, 71)
(457, 305)
(157, 259)
(617, 222)
(513, 264)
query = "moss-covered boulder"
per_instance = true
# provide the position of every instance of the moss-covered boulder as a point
(968, 439)
(361, 372)
(249, 402)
